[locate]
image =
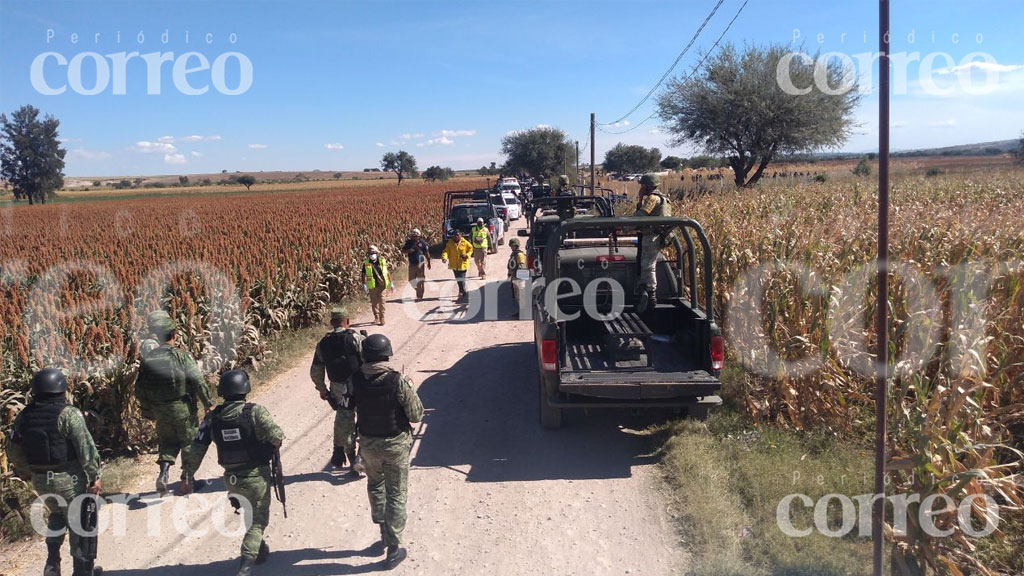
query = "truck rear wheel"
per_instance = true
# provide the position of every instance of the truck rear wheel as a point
(550, 416)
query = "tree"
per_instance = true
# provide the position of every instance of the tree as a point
(183, 180)
(672, 163)
(631, 159)
(537, 152)
(401, 163)
(337, 175)
(738, 108)
(863, 167)
(1020, 149)
(31, 159)
(435, 173)
(246, 180)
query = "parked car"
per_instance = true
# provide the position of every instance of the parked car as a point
(461, 210)
(515, 208)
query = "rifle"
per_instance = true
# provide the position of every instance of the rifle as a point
(87, 541)
(277, 480)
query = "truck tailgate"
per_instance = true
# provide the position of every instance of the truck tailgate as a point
(639, 385)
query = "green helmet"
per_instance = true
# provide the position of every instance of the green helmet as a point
(563, 180)
(651, 180)
(160, 322)
(339, 313)
(514, 243)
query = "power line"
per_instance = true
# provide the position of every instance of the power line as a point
(672, 67)
(688, 76)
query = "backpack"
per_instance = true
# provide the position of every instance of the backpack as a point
(340, 354)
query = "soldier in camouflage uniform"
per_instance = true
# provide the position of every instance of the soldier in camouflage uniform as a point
(337, 357)
(50, 441)
(651, 203)
(169, 388)
(563, 187)
(246, 438)
(385, 404)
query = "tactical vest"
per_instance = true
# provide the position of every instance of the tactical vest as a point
(43, 443)
(236, 439)
(371, 278)
(664, 208)
(340, 356)
(378, 412)
(517, 261)
(160, 376)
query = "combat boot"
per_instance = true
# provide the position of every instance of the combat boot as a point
(161, 478)
(86, 568)
(263, 554)
(395, 556)
(338, 457)
(52, 567)
(196, 485)
(245, 567)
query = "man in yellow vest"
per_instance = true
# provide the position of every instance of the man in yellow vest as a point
(456, 255)
(376, 279)
(480, 236)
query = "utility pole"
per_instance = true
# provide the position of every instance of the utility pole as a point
(593, 166)
(577, 158)
(882, 326)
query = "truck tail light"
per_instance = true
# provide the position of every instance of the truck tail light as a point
(490, 227)
(549, 356)
(717, 352)
(531, 262)
(611, 258)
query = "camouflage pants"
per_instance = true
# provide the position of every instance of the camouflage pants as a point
(68, 486)
(254, 487)
(345, 430)
(176, 427)
(649, 251)
(387, 482)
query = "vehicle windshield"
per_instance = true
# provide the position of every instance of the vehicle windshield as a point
(467, 213)
(510, 198)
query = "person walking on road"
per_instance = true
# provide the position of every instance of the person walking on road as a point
(376, 279)
(338, 357)
(247, 439)
(480, 236)
(386, 406)
(419, 261)
(51, 444)
(651, 203)
(517, 263)
(457, 252)
(169, 388)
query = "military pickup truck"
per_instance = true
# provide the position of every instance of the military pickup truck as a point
(594, 350)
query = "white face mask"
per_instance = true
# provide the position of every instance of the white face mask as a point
(373, 257)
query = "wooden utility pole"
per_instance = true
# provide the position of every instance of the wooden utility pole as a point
(593, 166)
(577, 159)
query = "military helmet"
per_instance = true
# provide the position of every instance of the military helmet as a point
(160, 322)
(234, 383)
(652, 180)
(514, 242)
(377, 348)
(49, 381)
(563, 180)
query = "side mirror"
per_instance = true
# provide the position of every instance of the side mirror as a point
(522, 232)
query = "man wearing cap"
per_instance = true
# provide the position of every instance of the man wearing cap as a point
(169, 388)
(651, 203)
(376, 279)
(517, 262)
(337, 357)
(480, 237)
(419, 261)
(457, 252)
(50, 442)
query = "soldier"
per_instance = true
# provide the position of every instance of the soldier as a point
(376, 279)
(480, 236)
(338, 356)
(385, 404)
(247, 439)
(651, 203)
(419, 261)
(169, 387)
(51, 442)
(563, 186)
(516, 262)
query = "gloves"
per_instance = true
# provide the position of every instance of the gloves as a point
(366, 288)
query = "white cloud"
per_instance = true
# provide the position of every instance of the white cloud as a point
(66, 140)
(198, 138)
(454, 133)
(90, 155)
(408, 136)
(165, 139)
(258, 146)
(334, 146)
(174, 158)
(980, 65)
(196, 154)
(945, 123)
(442, 141)
(380, 144)
(153, 147)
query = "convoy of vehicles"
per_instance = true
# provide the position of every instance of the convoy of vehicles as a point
(462, 208)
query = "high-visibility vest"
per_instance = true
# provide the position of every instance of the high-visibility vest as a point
(480, 236)
(371, 280)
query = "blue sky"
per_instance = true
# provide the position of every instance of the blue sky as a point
(336, 84)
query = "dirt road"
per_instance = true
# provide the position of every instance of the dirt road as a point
(491, 492)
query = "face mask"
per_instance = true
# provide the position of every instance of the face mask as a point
(373, 257)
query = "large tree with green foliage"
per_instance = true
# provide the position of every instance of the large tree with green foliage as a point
(435, 173)
(541, 151)
(31, 159)
(246, 180)
(737, 107)
(401, 163)
(672, 163)
(631, 159)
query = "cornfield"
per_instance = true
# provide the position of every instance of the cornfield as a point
(794, 273)
(79, 279)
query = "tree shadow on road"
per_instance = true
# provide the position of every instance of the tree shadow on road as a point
(482, 413)
(304, 562)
